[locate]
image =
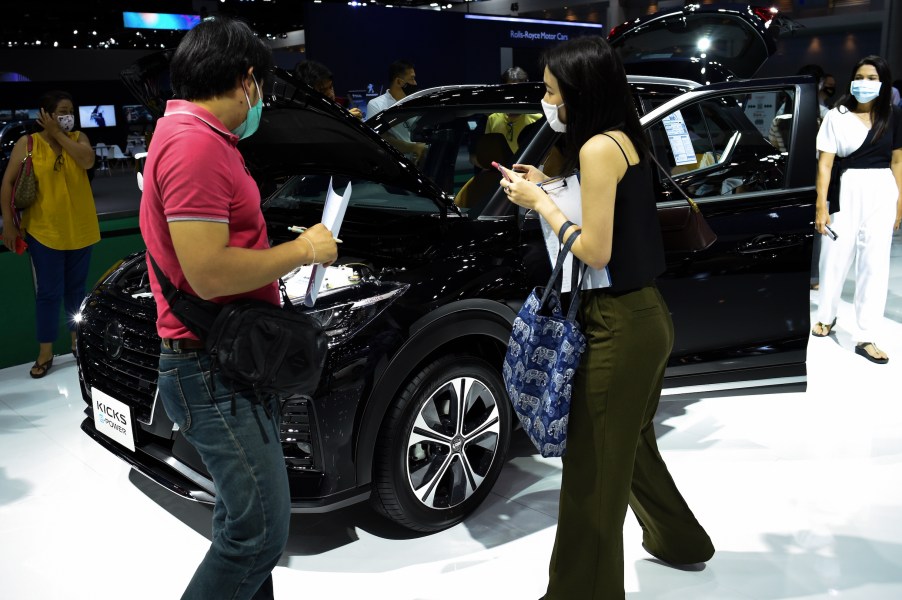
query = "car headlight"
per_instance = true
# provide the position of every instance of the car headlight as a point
(344, 312)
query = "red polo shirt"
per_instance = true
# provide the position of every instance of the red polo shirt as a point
(194, 172)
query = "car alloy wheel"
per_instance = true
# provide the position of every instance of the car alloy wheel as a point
(443, 444)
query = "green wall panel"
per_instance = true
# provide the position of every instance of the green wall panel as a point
(119, 237)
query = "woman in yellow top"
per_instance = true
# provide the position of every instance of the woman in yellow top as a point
(61, 226)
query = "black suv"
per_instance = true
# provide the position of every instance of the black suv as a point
(410, 411)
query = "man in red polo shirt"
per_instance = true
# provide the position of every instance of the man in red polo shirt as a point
(201, 220)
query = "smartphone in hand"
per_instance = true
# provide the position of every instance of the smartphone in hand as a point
(501, 169)
(830, 232)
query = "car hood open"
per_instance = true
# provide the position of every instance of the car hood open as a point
(739, 37)
(301, 131)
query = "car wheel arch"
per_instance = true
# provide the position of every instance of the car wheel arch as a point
(458, 326)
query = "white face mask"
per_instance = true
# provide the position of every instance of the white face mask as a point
(551, 113)
(865, 90)
(67, 122)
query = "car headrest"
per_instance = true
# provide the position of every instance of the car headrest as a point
(493, 147)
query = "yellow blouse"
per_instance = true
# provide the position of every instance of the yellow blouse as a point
(64, 216)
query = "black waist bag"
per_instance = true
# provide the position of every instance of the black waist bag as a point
(254, 344)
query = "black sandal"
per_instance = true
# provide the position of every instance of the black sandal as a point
(860, 351)
(827, 328)
(41, 367)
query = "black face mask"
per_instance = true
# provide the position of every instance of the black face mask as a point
(829, 91)
(408, 88)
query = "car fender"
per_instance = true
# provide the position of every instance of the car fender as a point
(460, 319)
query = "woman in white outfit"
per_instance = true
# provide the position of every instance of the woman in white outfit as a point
(864, 130)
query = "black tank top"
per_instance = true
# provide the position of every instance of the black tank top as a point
(637, 250)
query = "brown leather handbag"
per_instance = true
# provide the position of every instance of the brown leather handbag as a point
(683, 228)
(25, 188)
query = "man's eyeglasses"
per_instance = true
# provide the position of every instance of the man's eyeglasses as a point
(510, 131)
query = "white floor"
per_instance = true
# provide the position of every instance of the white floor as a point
(801, 493)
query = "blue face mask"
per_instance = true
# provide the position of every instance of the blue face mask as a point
(865, 90)
(252, 122)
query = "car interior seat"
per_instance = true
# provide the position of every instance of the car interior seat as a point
(526, 135)
(490, 147)
(438, 163)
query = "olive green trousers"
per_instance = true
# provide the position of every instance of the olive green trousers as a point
(612, 456)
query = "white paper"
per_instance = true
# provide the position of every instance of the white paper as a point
(333, 215)
(680, 143)
(568, 199)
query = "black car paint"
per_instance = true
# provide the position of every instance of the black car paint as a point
(465, 277)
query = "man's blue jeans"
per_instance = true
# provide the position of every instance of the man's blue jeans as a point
(243, 454)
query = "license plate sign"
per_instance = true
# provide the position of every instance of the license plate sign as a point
(113, 419)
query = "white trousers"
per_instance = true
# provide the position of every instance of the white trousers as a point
(864, 229)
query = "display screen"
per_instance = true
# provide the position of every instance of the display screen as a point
(146, 20)
(100, 115)
(23, 114)
(136, 114)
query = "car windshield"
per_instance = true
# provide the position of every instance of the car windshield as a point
(459, 146)
(453, 147)
(309, 190)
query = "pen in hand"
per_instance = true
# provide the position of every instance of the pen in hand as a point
(296, 229)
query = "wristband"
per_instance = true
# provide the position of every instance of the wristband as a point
(312, 249)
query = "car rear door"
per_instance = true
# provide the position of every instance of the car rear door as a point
(737, 38)
(745, 152)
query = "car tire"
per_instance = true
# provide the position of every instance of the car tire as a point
(431, 468)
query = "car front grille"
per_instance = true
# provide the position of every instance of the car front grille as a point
(298, 434)
(119, 350)
(119, 354)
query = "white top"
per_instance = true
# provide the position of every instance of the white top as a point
(568, 198)
(841, 132)
(378, 104)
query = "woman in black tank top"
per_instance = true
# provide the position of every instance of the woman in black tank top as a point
(612, 458)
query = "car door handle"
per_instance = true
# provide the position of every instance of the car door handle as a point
(768, 243)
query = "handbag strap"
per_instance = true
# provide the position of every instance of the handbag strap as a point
(691, 202)
(558, 269)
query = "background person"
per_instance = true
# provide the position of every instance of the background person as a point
(510, 125)
(870, 203)
(612, 456)
(61, 226)
(208, 236)
(402, 78)
(319, 77)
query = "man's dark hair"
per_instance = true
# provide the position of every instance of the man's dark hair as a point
(312, 72)
(514, 75)
(398, 69)
(593, 85)
(50, 100)
(883, 104)
(212, 58)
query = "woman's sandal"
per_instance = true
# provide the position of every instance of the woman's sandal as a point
(42, 368)
(826, 328)
(861, 350)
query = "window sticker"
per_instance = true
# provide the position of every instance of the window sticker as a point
(678, 134)
(761, 109)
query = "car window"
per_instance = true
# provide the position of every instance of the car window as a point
(727, 145)
(312, 189)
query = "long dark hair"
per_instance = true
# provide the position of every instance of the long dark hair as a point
(596, 95)
(882, 107)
